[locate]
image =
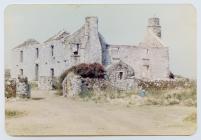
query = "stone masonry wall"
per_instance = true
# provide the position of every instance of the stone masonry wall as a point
(139, 58)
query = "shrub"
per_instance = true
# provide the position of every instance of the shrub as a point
(86, 94)
(94, 70)
(10, 88)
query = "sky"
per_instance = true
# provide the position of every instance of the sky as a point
(119, 24)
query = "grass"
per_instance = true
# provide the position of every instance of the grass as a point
(34, 85)
(13, 113)
(191, 118)
(186, 96)
(86, 94)
(105, 95)
(179, 92)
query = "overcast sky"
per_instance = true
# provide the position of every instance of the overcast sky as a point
(119, 24)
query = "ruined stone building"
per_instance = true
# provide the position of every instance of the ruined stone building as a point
(43, 61)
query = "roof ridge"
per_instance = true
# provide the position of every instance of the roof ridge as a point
(27, 42)
(59, 35)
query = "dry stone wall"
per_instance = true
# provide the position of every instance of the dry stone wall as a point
(23, 88)
(74, 85)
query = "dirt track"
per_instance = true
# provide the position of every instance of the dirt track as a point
(48, 114)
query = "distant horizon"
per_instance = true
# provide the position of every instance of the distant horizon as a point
(127, 27)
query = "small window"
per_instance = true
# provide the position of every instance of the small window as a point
(146, 71)
(36, 72)
(21, 72)
(21, 56)
(75, 52)
(147, 51)
(107, 46)
(52, 50)
(37, 52)
(120, 75)
(146, 67)
(78, 46)
(52, 72)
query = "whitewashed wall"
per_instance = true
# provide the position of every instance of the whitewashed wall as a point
(156, 58)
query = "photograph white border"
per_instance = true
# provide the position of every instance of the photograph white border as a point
(5, 3)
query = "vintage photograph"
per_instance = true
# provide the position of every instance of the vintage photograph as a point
(100, 69)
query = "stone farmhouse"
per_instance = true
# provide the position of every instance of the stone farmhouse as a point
(45, 61)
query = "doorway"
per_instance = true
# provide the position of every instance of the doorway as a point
(21, 72)
(146, 72)
(36, 72)
(52, 73)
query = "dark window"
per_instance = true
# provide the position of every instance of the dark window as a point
(52, 72)
(147, 51)
(75, 52)
(78, 46)
(37, 52)
(21, 56)
(52, 50)
(21, 72)
(120, 75)
(106, 46)
(36, 72)
(147, 67)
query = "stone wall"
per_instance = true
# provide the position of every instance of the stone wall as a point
(74, 85)
(71, 85)
(121, 76)
(23, 88)
(177, 83)
(148, 62)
